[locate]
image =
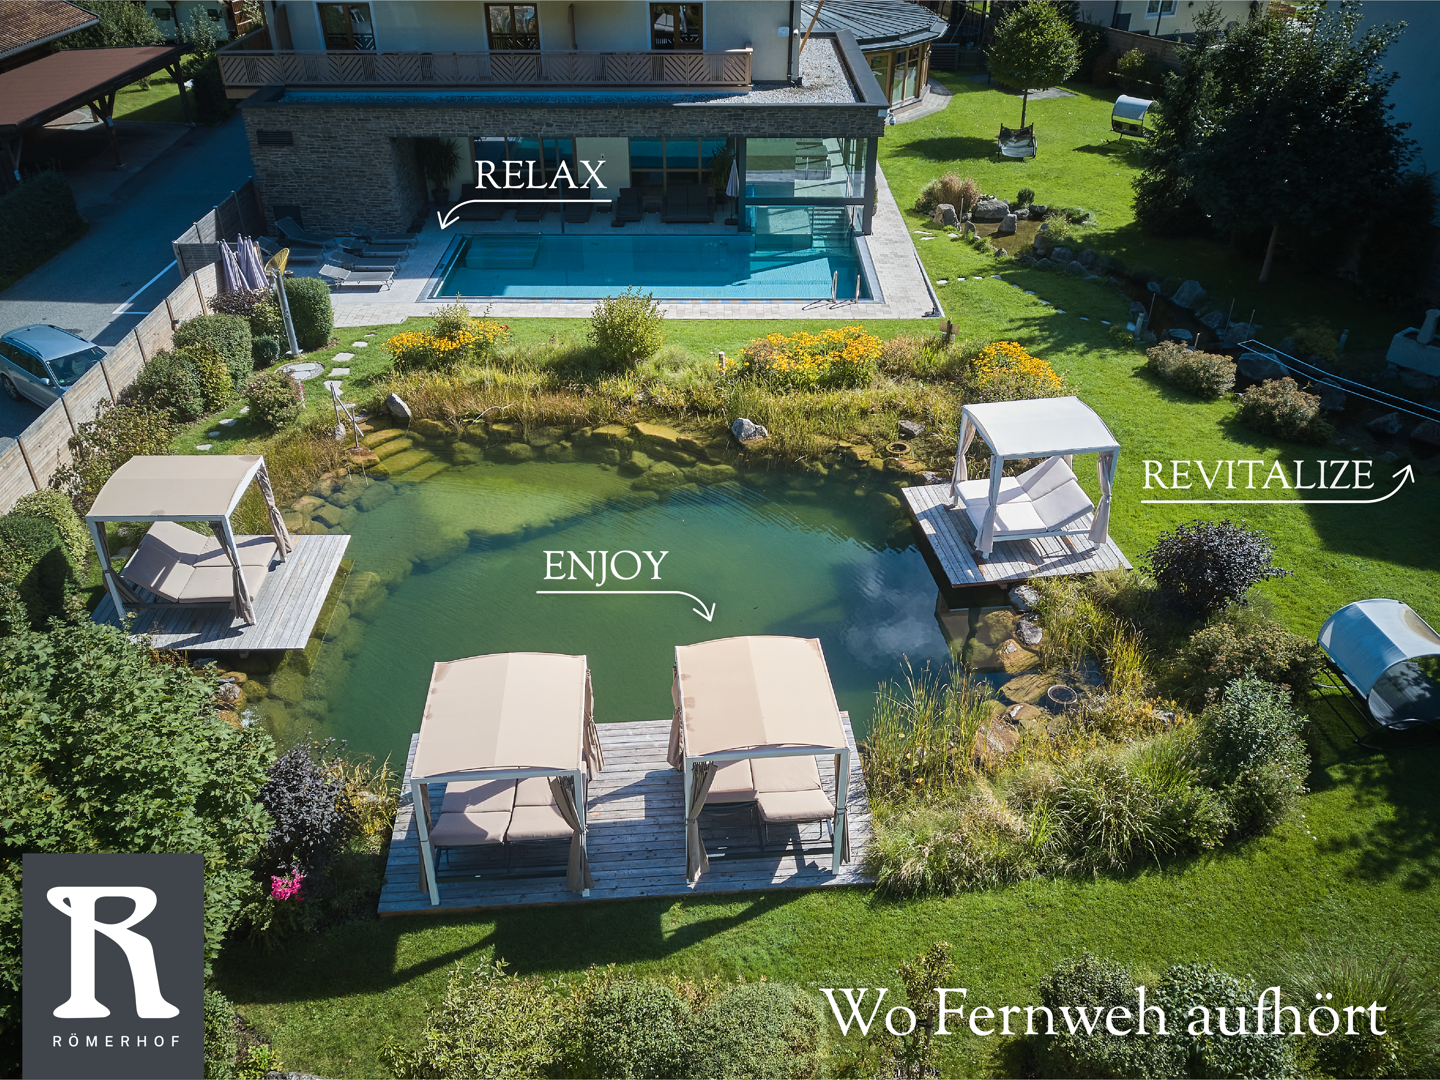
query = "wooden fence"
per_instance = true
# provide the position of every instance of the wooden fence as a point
(43, 447)
(1166, 50)
(199, 245)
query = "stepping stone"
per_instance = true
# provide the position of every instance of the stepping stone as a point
(336, 373)
(391, 448)
(383, 436)
(409, 458)
(245, 410)
(997, 277)
(946, 281)
(342, 358)
(332, 385)
(360, 344)
(227, 422)
(1059, 311)
(422, 472)
(1029, 292)
(1104, 322)
(212, 434)
(1084, 319)
(927, 238)
(204, 446)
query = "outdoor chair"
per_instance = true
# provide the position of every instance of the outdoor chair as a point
(391, 252)
(627, 208)
(185, 567)
(788, 792)
(577, 213)
(270, 248)
(1377, 651)
(1017, 142)
(534, 211)
(407, 239)
(292, 233)
(478, 211)
(339, 277)
(692, 203)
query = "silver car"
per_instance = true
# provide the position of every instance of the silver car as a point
(41, 362)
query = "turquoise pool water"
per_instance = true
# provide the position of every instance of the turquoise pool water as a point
(461, 556)
(729, 267)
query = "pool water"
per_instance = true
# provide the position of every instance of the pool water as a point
(450, 567)
(779, 266)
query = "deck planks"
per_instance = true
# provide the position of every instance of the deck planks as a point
(285, 610)
(950, 535)
(636, 840)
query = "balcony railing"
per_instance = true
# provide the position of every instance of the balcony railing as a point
(250, 69)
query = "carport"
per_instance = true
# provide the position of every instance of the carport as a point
(34, 94)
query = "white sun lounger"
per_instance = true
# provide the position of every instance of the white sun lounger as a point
(337, 276)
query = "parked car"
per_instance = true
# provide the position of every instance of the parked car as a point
(41, 362)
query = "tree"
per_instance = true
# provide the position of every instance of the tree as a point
(1299, 127)
(1034, 49)
(121, 23)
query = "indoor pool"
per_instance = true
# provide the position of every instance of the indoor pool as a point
(777, 266)
(454, 566)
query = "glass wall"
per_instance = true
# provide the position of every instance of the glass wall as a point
(804, 192)
(902, 73)
(548, 154)
(660, 165)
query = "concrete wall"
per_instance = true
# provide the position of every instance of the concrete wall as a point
(754, 22)
(453, 26)
(609, 25)
(615, 173)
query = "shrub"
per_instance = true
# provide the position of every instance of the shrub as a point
(1316, 338)
(221, 1045)
(628, 328)
(1134, 70)
(102, 445)
(211, 103)
(1217, 1054)
(1004, 371)
(240, 302)
(228, 335)
(111, 747)
(950, 188)
(1112, 817)
(311, 813)
(451, 319)
(1241, 638)
(170, 383)
(1089, 982)
(1025, 197)
(1252, 751)
(56, 509)
(1203, 566)
(216, 379)
(634, 1029)
(915, 1054)
(264, 351)
(1280, 407)
(38, 219)
(35, 562)
(492, 1024)
(759, 1030)
(276, 398)
(1205, 375)
(267, 320)
(310, 311)
(844, 357)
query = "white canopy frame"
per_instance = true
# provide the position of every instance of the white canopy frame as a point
(1373, 644)
(1128, 116)
(804, 667)
(469, 729)
(1047, 499)
(179, 488)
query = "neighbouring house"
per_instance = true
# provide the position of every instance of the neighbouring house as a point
(29, 31)
(227, 18)
(1162, 18)
(894, 35)
(662, 95)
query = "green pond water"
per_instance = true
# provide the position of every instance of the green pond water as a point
(461, 556)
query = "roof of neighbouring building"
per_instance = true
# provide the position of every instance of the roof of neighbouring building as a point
(36, 93)
(876, 24)
(23, 26)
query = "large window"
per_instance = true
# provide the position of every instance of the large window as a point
(548, 155)
(675, 26)
(1155, 8)
(901, 74)
(347, 27)
(658, 165)
(512, 26)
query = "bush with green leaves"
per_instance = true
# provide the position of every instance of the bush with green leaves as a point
(1252, 752)
(276, 399)
(759, 1030)
(228, 335)
(102, 445)
(241, 302)
(267, 320)
(1280, 407)
(1201, 567)
(217, 383)
(221, 1044)
(960, 193)
(1198, 1045)
(121, 23)
(36, 564)
(169, 382)
(627, 328)
(38, 219)
(490, 1024)
(112, 747)
(310, 311)
(311, 814)
(632, 1028)
(265, 351)
(1206, 375)
(56, 509)
(1242, 638)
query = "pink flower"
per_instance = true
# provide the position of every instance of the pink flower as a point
(287, 888)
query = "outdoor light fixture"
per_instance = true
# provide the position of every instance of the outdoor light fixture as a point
(784, 32)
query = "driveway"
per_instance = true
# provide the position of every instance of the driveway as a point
(103, 284)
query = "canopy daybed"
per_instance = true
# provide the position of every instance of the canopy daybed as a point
(172, 564)
(1380, 649)
(759, 710)
(1017, 142)
(512, 737)
(1046, 500)
(1128, 116)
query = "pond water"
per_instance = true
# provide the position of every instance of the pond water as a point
(451, 567)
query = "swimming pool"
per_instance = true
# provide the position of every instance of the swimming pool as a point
(794, 265)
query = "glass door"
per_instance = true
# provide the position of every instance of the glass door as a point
(347, 27)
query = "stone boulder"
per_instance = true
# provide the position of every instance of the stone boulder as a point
(507, 431)
(1240, 331)
(1260, 367)
(1023, 214)
(1061, 253)
(1332, 398)
(990, 210)
(1417, 380)
(911, 429)
(1045, 264)
(1389, 424)
(1026, 260)
(945, 215)
(1006, 226)
(397, 408)
(1076, 270)
(1024, 597)
(1137, 309)
(1028, 633)
(663, 476)
(1037, 211)
(746, 430)
(1087, 258)
(1189, 295)
(1427, 431)
(1215, 320)
(432, 429)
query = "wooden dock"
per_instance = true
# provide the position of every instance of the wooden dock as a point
(951, 537)
(637, 839)
(285, 610)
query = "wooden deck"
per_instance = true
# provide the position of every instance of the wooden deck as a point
(285, 610)
(637, 840)
(951, 537)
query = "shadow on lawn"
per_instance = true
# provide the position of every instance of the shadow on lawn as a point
(1402, 845)
(948, 152)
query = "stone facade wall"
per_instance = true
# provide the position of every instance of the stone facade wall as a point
(353, 165)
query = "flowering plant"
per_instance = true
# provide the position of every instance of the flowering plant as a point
(1004, 371)
(434, 349)
(841, 357)
(288, 887)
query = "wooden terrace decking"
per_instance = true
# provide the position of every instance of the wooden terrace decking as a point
(637, 839)
(951, 537)
(285, 610)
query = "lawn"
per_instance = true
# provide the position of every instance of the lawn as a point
(159, 104)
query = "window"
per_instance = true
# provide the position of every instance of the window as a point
(880, 65)
(548, 154)
(69, 368)
(675, 26)
(513, 26)
(23, 360)
(1155, 8)
(347, 27)
(161, 14)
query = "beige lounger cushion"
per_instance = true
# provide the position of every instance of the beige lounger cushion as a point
(469, 830)
(478, 797)
(179, 564)
(785, 774)
(537, 823)
(733, 783)
(781, 807)
(216, 584)
(534, 791)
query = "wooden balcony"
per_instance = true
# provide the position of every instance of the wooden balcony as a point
(247, 68)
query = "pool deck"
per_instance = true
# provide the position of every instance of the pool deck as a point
(903, 289)
(950, 535)
(637, 839)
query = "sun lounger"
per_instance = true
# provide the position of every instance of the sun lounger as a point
(1017, 142)
(577, 213)
(1038, 502)
(304, 257)
(292, 233)
(366, 251)
(406, 239)
(628, 207)
(365, 266)
(186, 567)
(691, 203)
(339, 277)
(534, 211)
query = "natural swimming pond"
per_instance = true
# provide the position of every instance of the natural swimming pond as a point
(451, 566)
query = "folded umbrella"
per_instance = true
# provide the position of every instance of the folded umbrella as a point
(250, 264)
(231, 279)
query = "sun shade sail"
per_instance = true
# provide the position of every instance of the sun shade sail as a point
(1040, 427)
(1369, 637)
(504, 711)
(176, 487)
(1131, 108)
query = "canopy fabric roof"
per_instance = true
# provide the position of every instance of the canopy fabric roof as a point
(503, 711)
(175, 486)
(24, 26)
(1131, 108)
(1041, 427)
(34, 94)
(756, 693)
(876, 24)
(1369, 637)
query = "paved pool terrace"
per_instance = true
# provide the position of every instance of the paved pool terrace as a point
(897, 279)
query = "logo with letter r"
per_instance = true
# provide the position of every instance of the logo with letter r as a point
(78, 902)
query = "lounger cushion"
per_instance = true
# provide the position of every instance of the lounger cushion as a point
(1054, 499)
(179, 564)
(469, 830)
(781, 807)
(216, 584)
(478, 797)
(537, 823)
(785, 774)
(534, 791)
(733, 783)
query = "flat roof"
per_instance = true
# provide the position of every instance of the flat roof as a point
(35, 94)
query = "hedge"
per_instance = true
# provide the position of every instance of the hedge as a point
(310, 312)
(229, 334)
(34, 561)
(38, 220)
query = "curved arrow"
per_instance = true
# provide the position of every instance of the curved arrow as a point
(1405, 474)
(447, 218)
(705, 613)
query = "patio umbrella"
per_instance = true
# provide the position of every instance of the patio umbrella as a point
(250, 264)
(231, 279)
(732, 187)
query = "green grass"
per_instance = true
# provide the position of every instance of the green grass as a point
(159, 104)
